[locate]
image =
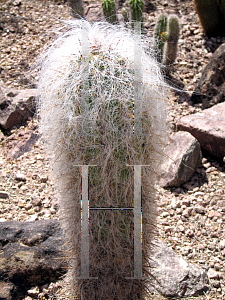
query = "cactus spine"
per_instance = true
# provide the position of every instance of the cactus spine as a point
(87, 112)
(109, 11)
(211, 16)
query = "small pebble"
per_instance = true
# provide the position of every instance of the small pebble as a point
(33, 292)
(221, 245)
(200, 209)
(4, 195)
(212, 274)
(20, 177)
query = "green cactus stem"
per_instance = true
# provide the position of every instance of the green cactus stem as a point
(166, 37)
(211, 17)
(160, 35)
(170, 47)
(109, 11)
(136, 7)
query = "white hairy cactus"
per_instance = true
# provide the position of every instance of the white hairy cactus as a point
(88, 114)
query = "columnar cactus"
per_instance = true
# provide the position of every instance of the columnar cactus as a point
(160, 35)
(212, 17)
(166, 37)
(170, 47)
(222, 7)
(109, 11)
(91, 117)
(137, 7)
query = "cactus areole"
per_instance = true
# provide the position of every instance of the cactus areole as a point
(103, 114)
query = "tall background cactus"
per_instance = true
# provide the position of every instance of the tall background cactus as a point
(170, 47)
(109, 11)
(222, 7)
(136, 7)
(160, 35)
(87, 108)
(166, 37)
(212, 16)
(132, 11)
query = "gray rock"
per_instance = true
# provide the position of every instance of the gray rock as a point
(20, 177)
(23, 145)
(4, 195)
(16, 107)
(6, 290)
(182, 157)
(210, 89)
(208, 127)
(174, 276)
(31, 254)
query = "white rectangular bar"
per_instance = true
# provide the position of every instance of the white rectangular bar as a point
(84, 225)
(137, 223)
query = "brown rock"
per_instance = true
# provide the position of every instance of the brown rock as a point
(182, 157)
(208, 127)
(214, 213)
(15, 107)
(6, 290)
(4, 195)
(20, 177)
(24, 145)
(212, 274)
(31, 254)
(210, 89)
(175, 277)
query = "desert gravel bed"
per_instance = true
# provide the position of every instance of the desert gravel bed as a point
(191, 218)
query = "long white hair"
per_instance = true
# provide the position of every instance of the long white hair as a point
(88, 111)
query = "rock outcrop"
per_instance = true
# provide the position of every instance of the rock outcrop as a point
(210, 90)
(175, 277)
(208, 127)
(181, 159)
(16, 106)
(31, 254)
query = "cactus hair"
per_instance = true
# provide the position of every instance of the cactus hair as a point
(100, 132)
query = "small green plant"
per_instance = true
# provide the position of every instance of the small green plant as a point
(212, 16)
(166, 36)
(109, 11)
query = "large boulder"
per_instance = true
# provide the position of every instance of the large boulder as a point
(175, 277)
(181, 159)
(31, 254)
(16, 107)
(210, 90)
(208, 127)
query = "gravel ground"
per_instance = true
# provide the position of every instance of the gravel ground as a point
(191, 217)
